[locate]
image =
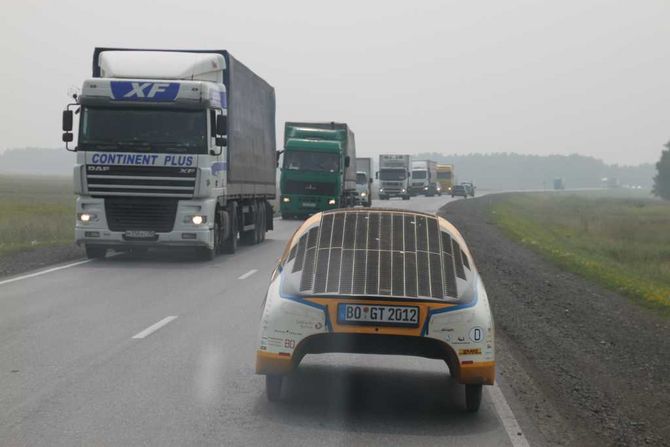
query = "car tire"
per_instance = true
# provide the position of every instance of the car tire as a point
(273, 385)
(93, 252)
(473, 397)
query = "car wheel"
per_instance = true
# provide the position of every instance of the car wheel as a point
(473, 397)
(273, 387)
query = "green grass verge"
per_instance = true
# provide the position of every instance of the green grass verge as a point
(622, 243)
(35, 211)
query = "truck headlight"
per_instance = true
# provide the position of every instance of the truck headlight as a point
(286, 199)
(364, 194)
(381, 189)
(198, 219)
(87, 217)
(331, 202)
(425, 188)
(404, 190)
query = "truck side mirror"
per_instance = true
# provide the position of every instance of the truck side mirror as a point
(347, 161)
(221, 141)
(67, 121)
(370, 180)
(68, 137)
(377, 175)
(278, 155)
(221, 126)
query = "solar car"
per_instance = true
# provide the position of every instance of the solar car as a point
(377, 281)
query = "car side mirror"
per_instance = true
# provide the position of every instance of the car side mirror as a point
(347, 161)
(221, 126)
(67, 121)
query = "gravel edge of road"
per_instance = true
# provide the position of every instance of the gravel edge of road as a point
(38, 258)
(603, 382)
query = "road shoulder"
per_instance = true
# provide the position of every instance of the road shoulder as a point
(588, 366)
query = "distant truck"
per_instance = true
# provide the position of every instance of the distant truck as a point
(445, 177)
(393, 176)
(424, 178)
(364, 181)
(319, 168)
(176, 148)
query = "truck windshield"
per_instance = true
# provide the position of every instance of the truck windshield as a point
(143, 130)
(361, 179)
(311, 161)
(392, 174)
(418, 174)
(444, 175)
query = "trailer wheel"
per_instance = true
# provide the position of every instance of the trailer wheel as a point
(230, 244)
(273, 387)
(263, 220)
(93, 252)
(473, 397)
(250, 237)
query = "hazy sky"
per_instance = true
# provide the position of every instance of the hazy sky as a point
(591, 77)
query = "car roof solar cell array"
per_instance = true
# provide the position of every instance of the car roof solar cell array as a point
(378, 253)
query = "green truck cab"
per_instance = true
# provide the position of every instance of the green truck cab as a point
(318, 172)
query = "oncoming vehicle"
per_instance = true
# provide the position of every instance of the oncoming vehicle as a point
(363, 183)
(469, 188)
(377, 281)
(459, 190)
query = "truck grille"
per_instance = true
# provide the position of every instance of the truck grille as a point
(309, 188)
(104, 181)
(140, 213)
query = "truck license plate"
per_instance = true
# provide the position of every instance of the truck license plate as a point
(377, 315)
(140, 234)
(309, 204)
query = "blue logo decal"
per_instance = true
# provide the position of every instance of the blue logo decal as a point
(144, 91)
(217, 167)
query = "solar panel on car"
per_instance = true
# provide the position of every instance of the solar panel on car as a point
(375, 253)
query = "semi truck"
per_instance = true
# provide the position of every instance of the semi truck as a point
(176, 148)
(424, 178)
(364, 181)
(393, 176)
(445, 177)
(319, 168)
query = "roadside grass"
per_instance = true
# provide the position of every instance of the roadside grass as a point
(622, 243)
(35, 211)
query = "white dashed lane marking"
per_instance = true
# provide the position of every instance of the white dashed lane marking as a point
(154, 327)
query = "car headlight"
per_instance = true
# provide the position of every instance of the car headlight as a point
(364, 194)
(382, 190)
(286, 199)
(425, 188)
(197, 219)
(87, 217)
(331, 202)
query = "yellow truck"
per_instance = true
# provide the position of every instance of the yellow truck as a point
(445, 176)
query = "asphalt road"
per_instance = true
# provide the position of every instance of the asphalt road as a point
(81, 363)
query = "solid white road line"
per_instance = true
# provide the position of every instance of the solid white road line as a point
(516, 436)
(154, 327)
(248, 274)
(44, 272)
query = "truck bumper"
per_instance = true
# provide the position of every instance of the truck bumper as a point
(299, 205)
(184, 233)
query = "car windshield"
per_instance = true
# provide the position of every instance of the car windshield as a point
(143, 130)
(392, 174)
(311, 161)
(419, 174)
